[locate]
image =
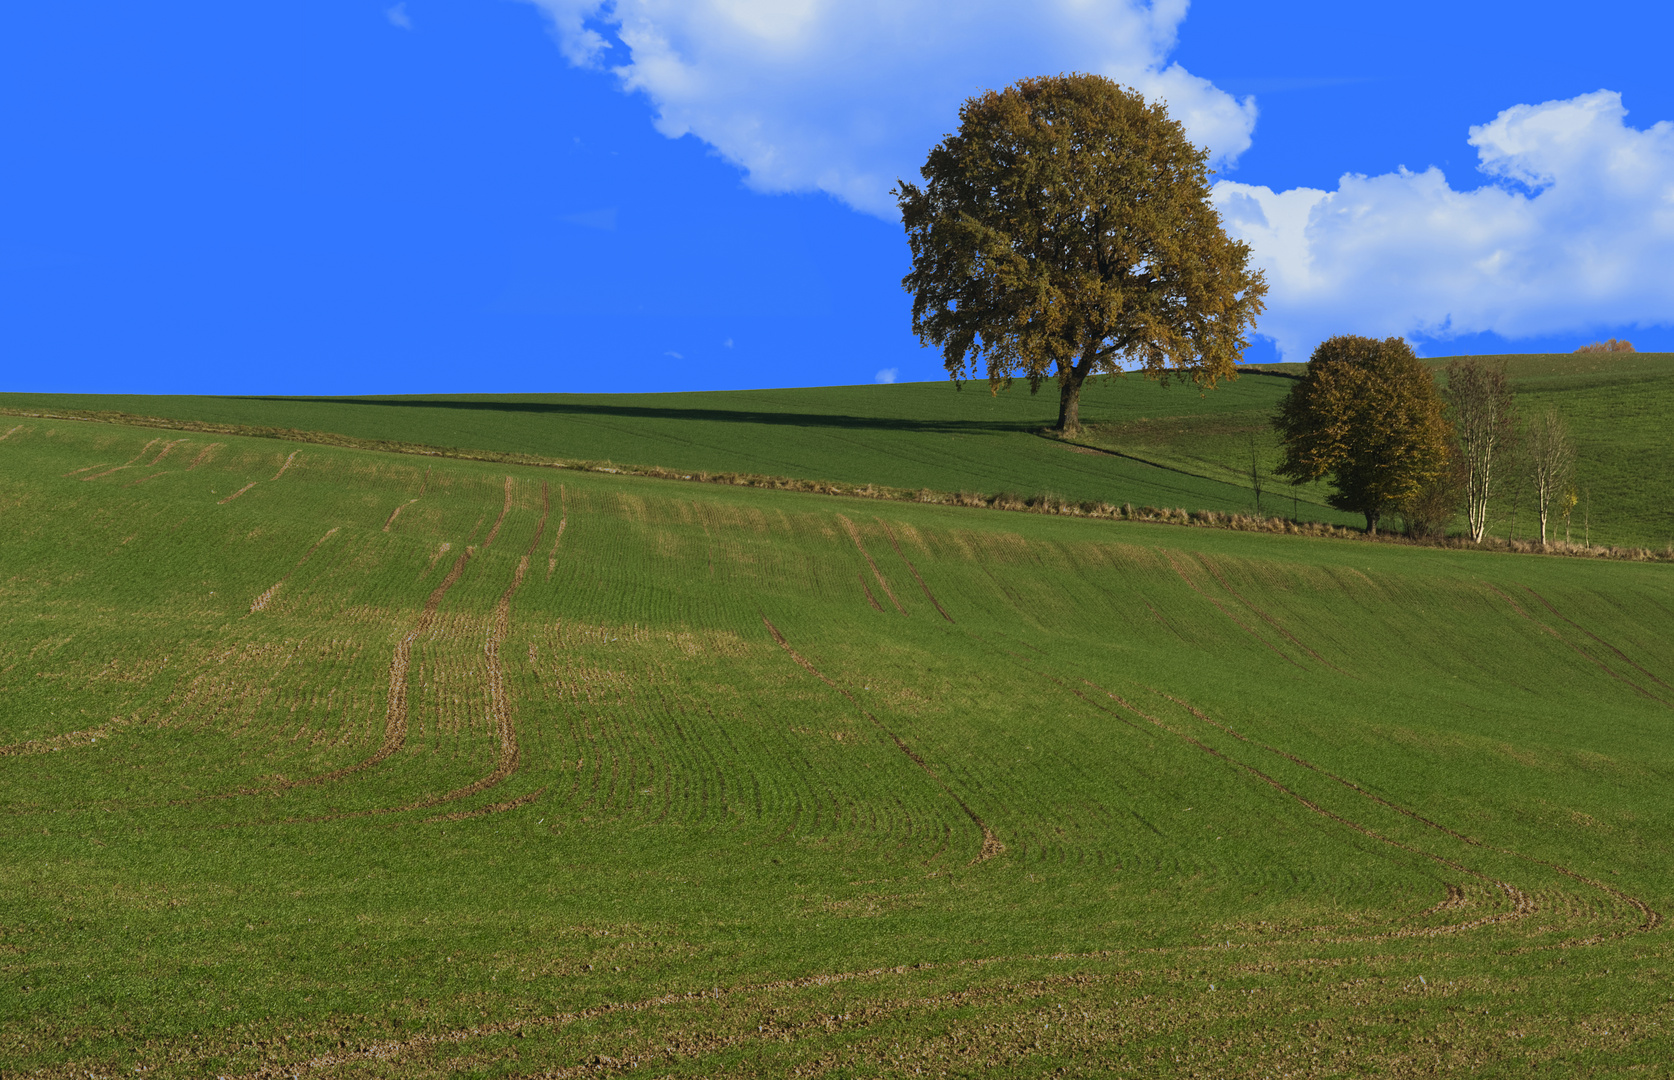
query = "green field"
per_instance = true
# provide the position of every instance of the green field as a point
(1172, 446)
(324, 762)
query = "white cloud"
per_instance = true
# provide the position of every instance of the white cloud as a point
(1575, 230)
(847, 96)
(398, 16)
(676, 355)
(887, 375)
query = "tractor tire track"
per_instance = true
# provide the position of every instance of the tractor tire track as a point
(262, 601)
(1242, 625)
(1598, 639)
(252, 483)
(991, 843)
(510, 755)
(395, 711)
(286, 465)
(867, 589)
(563, 520)
(125, 465)
(204, 455)
(1650, 919)
(393, 514)
(1579, 651)
(69, 740)
(854, 534)
(1523, 905)
(927, 593)
(1204, 561)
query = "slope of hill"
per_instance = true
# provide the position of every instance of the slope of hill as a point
(1177, 447)
(322, 762)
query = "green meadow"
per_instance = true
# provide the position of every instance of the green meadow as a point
(323, 762)
(1163, 446)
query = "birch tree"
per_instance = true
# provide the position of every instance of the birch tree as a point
(1550, 458)
(1484, 423)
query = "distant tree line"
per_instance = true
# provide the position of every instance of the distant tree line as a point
(1367, 416)
(1607, 346)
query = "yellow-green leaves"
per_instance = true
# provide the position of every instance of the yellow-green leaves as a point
(1066, 229)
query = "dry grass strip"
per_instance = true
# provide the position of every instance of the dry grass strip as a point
(991, 844)
(10, 432)
(167, 447)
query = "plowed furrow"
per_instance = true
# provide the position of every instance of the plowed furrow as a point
(991, 844)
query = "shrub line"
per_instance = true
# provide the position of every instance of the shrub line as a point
(1037, 504)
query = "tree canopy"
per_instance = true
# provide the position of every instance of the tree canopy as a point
(1067, 228)
(1366, 414)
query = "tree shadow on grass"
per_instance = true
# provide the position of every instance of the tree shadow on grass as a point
(603, 411)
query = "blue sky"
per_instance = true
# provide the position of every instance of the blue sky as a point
(496, 195)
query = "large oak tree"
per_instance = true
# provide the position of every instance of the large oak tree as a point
(1067, 228)
(1366, 414)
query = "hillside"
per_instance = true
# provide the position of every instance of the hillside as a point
(324, 762)
(1178, 447)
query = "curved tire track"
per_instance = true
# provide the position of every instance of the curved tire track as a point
(991, 843)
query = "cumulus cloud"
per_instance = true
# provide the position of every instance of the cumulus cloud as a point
(887, 375)
(398, 16)
(1574, 229)
(847, 96)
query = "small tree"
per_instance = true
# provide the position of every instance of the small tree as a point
(1366, 414)
(1255, 473)
(1484, 425)
(1550, 460)
(1067, 228)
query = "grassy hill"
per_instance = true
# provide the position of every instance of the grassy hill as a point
(1171, 446)
(323, 762)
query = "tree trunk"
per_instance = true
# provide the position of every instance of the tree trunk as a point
(1069, 393)
(1372, 522)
